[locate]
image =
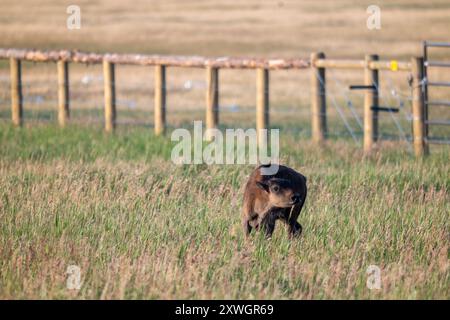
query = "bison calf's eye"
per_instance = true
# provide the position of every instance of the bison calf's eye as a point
(276, 188)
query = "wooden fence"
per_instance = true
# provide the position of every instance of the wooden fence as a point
(317, 63)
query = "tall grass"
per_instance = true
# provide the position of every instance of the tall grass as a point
(139, 226)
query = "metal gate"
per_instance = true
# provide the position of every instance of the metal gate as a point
(427, 64)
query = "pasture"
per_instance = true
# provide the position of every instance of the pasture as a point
(140, 227)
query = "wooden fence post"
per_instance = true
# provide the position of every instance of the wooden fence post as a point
(16, 91)
(418, 109)
(63, 92)
(160, 99)
(318, 100)
(212, 98)
(262, 103)
(370, 100)
(110, 95)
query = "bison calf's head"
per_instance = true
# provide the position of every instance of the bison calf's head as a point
(280, 191)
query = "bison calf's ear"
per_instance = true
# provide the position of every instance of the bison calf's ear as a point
(262, 185)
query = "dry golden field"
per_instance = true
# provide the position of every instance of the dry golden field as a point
(220, 27)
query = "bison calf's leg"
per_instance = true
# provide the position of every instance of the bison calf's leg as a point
(268, 226)
(295, 229)
(247, 227)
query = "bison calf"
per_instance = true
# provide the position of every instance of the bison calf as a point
(268, 198)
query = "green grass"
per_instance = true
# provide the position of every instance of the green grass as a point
(139, 226)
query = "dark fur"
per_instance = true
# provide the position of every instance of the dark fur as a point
(260, 213)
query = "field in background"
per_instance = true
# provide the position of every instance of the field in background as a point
(220, 28)
(140, 227)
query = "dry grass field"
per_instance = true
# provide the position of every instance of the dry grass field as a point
(285, 28)
(139, 226)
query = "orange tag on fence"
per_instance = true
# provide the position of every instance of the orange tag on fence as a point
(394, 65)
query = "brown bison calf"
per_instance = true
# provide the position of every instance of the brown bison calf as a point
(268, 198)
